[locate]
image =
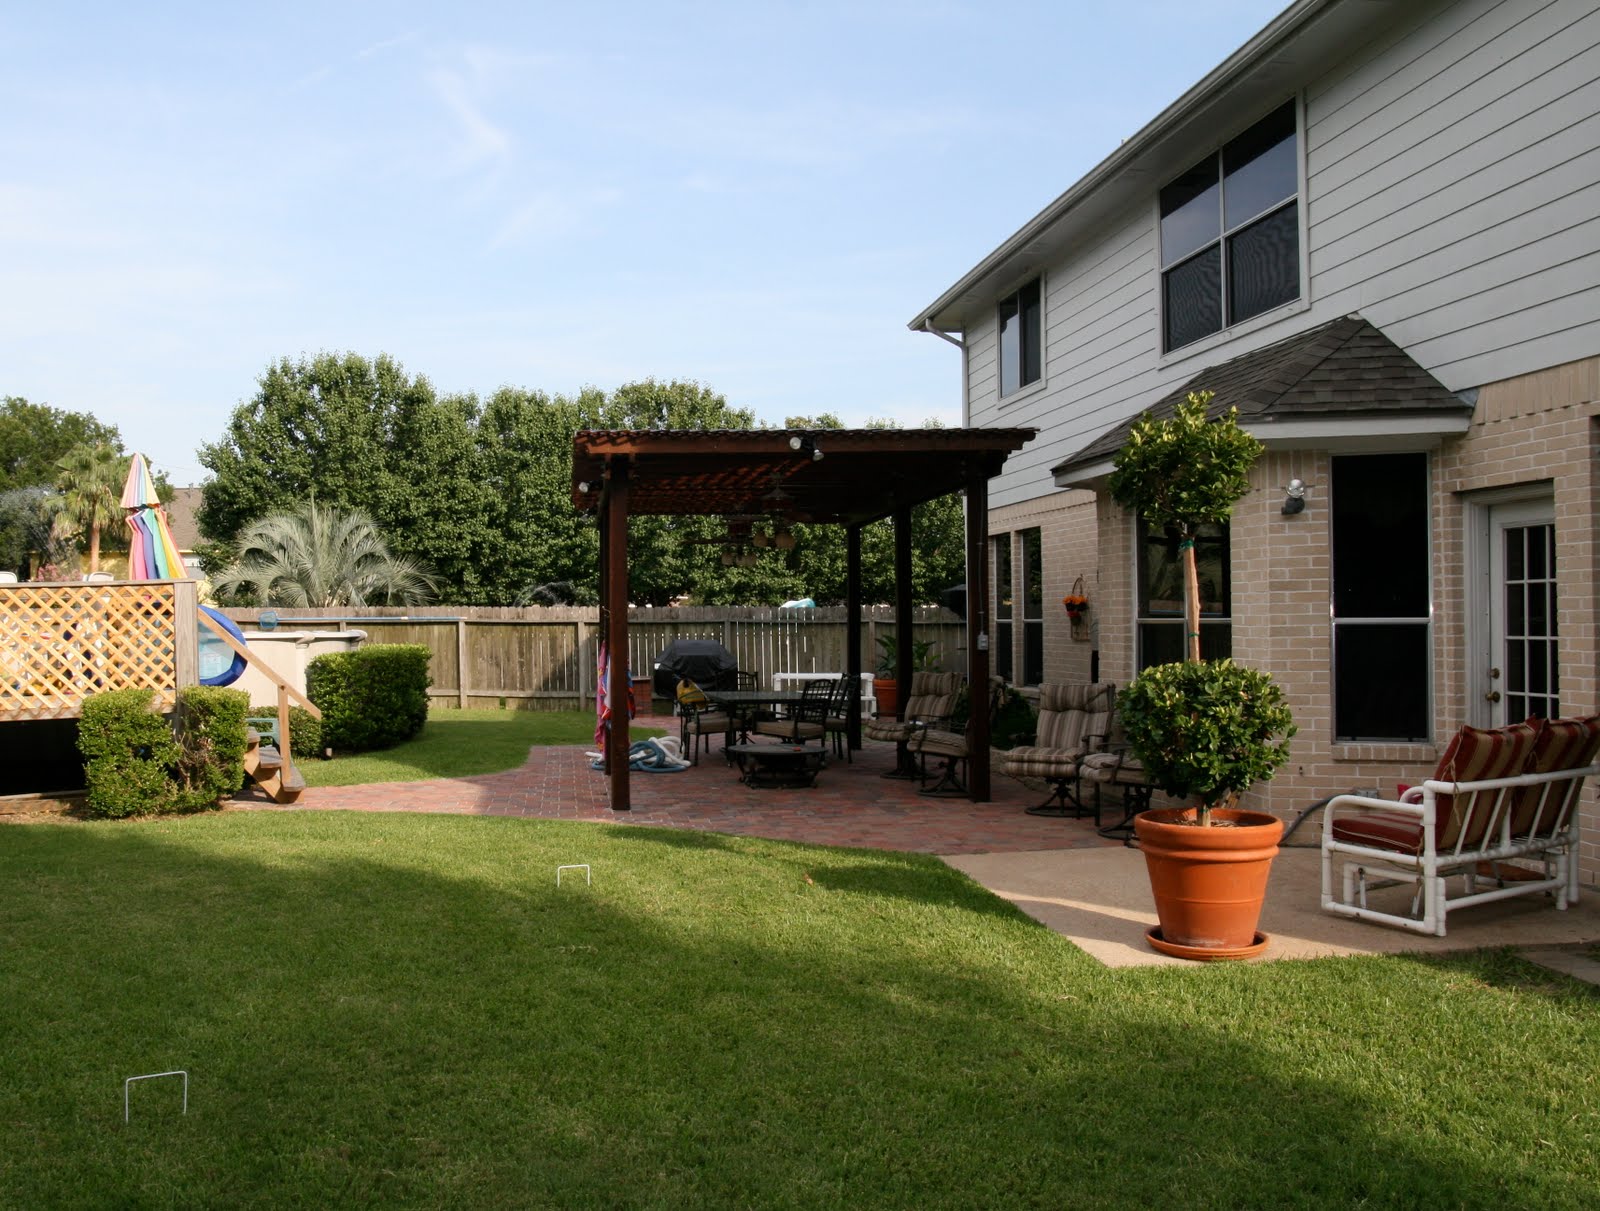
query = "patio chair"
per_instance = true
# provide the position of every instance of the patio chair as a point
(1074, 721)
(805, 720)
(950, 747)
(1117, 768)
(699, 720)
(931, 701)
(1500, 802)
(838, 721)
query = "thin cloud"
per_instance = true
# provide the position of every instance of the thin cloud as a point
(482, 141)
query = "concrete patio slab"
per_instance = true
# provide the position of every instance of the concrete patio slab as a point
(1100, 900)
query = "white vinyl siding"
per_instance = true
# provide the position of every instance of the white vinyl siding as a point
(1452, 198)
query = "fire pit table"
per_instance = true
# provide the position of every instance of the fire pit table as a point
(778, 764)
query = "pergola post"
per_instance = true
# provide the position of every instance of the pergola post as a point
(902, 607)
(978, 784)
(614, 540)
(852, 641)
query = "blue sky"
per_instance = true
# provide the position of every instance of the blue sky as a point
(753, 196)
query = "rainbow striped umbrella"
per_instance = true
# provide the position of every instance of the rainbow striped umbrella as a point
(152, 555)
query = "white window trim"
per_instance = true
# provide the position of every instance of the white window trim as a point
(1038, 384)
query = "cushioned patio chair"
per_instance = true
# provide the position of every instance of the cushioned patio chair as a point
(699, 720)
(1074, 721)
(950, 748)
(804, 720)
(1117, 769)
(931, 701)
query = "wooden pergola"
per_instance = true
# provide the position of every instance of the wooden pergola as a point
(846, 477)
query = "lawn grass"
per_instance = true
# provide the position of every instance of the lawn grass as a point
(406, 1011)
(456, 744)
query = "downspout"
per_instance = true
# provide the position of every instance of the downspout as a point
(959, 343)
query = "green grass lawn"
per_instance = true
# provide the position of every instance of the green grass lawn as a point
(455, 744)
(406, 1011)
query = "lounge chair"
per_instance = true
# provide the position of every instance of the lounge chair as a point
(1074, 721)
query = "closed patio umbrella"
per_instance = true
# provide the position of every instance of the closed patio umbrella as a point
(152, 554)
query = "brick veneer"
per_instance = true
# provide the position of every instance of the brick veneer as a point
(1538, 430)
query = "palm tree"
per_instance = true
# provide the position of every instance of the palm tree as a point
(318, 557)
(89, 478)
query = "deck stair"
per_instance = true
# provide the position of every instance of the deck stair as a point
(281, 782)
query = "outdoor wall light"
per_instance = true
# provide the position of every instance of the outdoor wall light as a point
(806, 444)
(1294, 500)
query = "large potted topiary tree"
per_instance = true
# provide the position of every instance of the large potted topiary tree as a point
(1206, 731)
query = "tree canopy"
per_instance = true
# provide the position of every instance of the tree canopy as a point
(34, 437)
(479, 491)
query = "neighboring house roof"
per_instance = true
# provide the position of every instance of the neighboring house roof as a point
(180, 517)
(1308, 37)
(1344, 371)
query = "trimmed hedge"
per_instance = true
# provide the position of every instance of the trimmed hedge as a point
(211, 744)
(373, 697)
(136, 764)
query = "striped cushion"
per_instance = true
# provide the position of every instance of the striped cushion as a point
(707, 721)
(1036, 762)
(1118, 769)
(1562, 744)
(891, 730)
(1069, 714)
(789, 729)
(1475, 755)
(938, 743)
(1380, 830)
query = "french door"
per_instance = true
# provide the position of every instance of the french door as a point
(1521, 677)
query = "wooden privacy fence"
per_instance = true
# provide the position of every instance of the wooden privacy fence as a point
(59, 643)
(543, 658)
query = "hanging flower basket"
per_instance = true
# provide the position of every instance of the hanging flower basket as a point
(1076, 604)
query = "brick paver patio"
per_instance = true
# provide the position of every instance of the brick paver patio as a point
(851, 805)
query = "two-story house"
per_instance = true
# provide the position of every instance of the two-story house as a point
(1375, 229)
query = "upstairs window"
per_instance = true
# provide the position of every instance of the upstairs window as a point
(1020, 316)
(1230, 232)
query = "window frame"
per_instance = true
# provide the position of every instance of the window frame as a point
(1230, 328)
(1027, 346)
(1004, 604)
(1143, 618)
(1339, 622)
(1031, 600)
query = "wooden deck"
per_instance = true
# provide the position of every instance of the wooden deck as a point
(60, 643)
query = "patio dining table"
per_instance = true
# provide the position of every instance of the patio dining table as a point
(743, 705)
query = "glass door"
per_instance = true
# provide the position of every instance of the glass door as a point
(1524, 644)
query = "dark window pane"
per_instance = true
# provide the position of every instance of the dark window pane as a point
(1515, 564)
(1538, 666)
(1536, 564)
(1001, 655)
(1032, 575)
(1380, 536)
(1032, 309)
(1538, 611)
(1010, 347)
(1260, 168)
(1002, 576)
(1264, 265)
(1191, 216)
(1516, 612)
(1517, 663)
(1032, 653)
(1193, 298)
(1162, 642)
(1161, 572)
(1381, 682)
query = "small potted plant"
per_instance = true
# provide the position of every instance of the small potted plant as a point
(886, 682)
(1206, 731)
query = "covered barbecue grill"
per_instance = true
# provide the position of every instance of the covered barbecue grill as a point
(703, 661)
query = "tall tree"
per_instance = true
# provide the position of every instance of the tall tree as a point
(319, 556)
(89, 479)
(34, 437)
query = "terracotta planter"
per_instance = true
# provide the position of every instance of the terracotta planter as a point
(1208, 882)
(887, 693)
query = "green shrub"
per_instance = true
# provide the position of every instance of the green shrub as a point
(211, 742)
(305, 734)
(373, 697)
(128, 754)
(136, 764)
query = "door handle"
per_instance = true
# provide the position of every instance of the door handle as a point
(1492, 696)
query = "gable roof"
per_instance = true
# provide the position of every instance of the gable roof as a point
(1345, 370)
